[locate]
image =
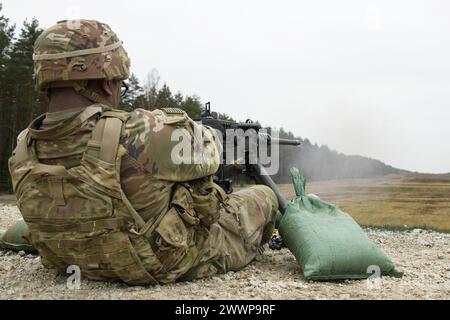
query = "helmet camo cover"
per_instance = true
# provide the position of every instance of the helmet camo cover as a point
(79, 50)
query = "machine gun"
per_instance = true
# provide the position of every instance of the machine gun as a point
(254, 171)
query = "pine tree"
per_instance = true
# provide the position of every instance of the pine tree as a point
(134, 96)
(27, 101)
(193, 106)
(19, 103)
(6, 127)
(164, 98)
(6, 34)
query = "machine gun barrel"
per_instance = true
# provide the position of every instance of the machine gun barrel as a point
(287, 142)
(279, 141)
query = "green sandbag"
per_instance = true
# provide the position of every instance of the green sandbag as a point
(14, 239)
(327, 243)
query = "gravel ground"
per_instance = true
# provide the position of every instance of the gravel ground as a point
(424, 256)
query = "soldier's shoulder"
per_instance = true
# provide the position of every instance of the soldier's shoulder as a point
(139, 118)
(163, 116)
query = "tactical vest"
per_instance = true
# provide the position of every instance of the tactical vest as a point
(81, 216)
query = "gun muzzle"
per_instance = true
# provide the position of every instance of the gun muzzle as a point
(285, 142)
(281, 142)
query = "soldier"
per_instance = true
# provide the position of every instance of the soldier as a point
(98, 187)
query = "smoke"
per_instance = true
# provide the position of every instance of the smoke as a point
(318, 163)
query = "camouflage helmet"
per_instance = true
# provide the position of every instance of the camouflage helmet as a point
(79, 50)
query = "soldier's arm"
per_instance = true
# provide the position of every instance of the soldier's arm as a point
(170, 145)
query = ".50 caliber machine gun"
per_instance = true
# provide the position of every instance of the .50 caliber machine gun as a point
(252, 169)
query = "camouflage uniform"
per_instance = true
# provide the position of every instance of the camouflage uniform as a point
(98, 189)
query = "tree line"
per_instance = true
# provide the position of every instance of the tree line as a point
(20, 104)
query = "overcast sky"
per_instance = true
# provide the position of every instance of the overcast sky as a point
(364, 77)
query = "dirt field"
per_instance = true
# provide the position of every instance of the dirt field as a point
(424, 256)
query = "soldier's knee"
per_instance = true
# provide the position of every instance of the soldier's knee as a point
(269, 194)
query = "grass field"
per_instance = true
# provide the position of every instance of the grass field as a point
(396, 201)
